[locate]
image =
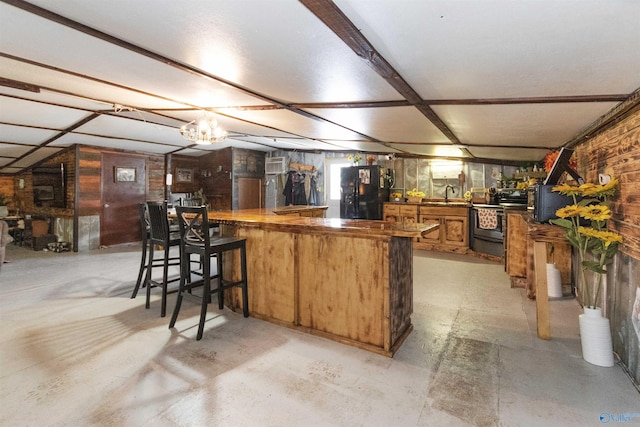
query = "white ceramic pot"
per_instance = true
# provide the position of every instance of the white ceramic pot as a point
(4, 211)
(595, 336)
(554, 281)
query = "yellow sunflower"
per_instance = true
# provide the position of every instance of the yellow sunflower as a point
(569, 211)
(596, 212)
(600, 191)
(592, 190)
(588, 231)
(609, 237)
(585, 188)
(567, 189)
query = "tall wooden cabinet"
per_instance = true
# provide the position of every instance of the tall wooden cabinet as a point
(232, 178)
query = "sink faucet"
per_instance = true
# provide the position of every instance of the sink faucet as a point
(446, 192)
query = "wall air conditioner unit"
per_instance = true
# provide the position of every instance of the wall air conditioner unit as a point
(275, 165)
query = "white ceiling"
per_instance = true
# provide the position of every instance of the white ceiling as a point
(500, 79)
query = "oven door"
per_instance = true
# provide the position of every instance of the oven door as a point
(488, 223)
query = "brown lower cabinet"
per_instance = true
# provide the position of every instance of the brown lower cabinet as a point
(451, 236)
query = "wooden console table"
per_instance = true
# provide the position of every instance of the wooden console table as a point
(530, 245)
(541, 235)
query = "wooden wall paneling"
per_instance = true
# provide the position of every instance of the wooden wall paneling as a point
(185, 162)
(616, 151)
(156, 178)
(8, 191)
(89, 180)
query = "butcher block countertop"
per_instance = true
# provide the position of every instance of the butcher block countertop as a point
(267, 219)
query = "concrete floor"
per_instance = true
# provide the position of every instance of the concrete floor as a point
(75, 350)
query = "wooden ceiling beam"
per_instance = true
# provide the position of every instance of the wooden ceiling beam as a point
(54, 17)
(55, 137)
(329, 13)
(530, 100)
(19, 85)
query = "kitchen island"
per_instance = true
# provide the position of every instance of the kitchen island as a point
(347, 280)
(313, 211)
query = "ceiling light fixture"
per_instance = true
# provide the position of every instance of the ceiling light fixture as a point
(204, 131)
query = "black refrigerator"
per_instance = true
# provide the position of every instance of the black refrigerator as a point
(363, 191)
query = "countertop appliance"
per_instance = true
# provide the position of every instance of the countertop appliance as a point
(511, 197)
(363, 190)
(546, 203)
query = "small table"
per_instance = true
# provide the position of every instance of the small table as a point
(541, 234)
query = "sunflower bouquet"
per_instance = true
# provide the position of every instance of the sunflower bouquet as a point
(355, 158)
(596, 245)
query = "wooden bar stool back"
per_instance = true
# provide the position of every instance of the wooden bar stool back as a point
(160, 236)
(195, 239)
(144, 236)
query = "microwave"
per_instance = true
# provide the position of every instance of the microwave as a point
(547, 202)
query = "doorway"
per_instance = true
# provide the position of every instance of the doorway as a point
(332, 184)
(250, 193)
(123, 189)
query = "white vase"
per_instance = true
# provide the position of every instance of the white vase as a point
(554, 281)
(595, 336)
(4, 211)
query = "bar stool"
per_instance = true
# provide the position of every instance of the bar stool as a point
(160, 236)
(195, 239)
(144, 229)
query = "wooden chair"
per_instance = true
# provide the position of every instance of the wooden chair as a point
(160, 236)
(190, 201)
(195, 239)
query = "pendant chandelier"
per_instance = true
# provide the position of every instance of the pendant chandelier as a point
(204, 131)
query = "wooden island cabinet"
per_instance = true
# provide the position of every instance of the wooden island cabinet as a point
(346, 280)
(303, 210)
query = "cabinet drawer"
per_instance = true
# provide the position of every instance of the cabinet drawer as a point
(408, 210)
(443, 211)
(389, 209)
